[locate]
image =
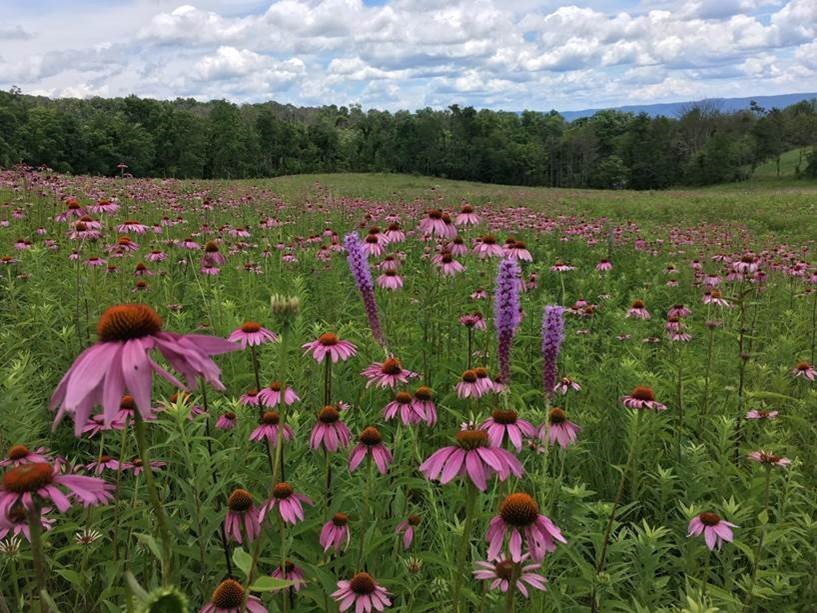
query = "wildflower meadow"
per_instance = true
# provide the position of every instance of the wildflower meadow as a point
(368, 393)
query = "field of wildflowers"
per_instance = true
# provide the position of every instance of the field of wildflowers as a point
(366, 392)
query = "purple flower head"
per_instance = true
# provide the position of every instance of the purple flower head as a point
(553, 333)
(507, 312)
(359, 267)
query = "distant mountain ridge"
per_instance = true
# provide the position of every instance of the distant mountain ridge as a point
(673, 109)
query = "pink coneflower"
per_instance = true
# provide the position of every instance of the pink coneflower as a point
(120, 360)
(328, 344)
(501, 575)
(394, 234)
(290, 572)
(269, 427)
(642, 397)
(638, 310)
(485, 383)
(507, 423)
(424, 403)
(715, 529)
(389, 373)
(252, 333)
(449, 266)
(519, 517)
(156, 256)
(226, 421)
(759, 414)
(479, 294)
(403, 406)
(473, 320)
(558, 430)
(94, 262)
(250, 398)
(373, 245)
(805, 370)
(41, 478)
(329, 431)
(241, 511)
(560, 266)
(487, 247)
(20, 454)
(769, 459)
(406, 528)
(517, 250)
(565, 385)
(458, 247)
(361, 592)
(137, 466)
(437, 223)
(228, 597)
(676, 330)
(390, 280)
(472, 456)
(468, 386)
(289, 502)
(189, 244)
(15, 522)
(466, 216)
(714, 297)
(677, 311)
(102, 463)
(335, 533)
(370, 443)
(604, 265)
(131, 226)
(276, 393)
(96, 424)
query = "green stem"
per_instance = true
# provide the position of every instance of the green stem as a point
(470, 502)
(37, 556)
(153, 495)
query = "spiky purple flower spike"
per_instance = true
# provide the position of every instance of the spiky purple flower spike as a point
(359, 266)
(507, 313)
(553, 333)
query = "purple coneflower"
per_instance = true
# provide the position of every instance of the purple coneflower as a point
(390, 280)
(642, 397)
(103, 463)
(769, 459)
(290, 572)
(370, 442)
(424, 403)
(289, 503)
(519, 516)
(805, 370)
(638, 310)
(329, 345)
(501, 575)
(715, 529)
(329, 431)
(487, 247)
(361, 592)
(472, 456)
(466, 216)
(226, 421)
(269, 427)
(389, 373)
(20, 454)
(504, 423)
(15, 522)
(406, 528)
(403, 406)
(335, 533)
(228, 597)
(276, 393)
(469, 386)
(565, 385)
(760, 414)
(41, 478)
(604, 265)
(558, 429)
(252, 333)
(241, 511)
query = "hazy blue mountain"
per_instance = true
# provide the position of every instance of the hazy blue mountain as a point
(725, 105)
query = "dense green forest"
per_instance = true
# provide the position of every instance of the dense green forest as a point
(189, 139)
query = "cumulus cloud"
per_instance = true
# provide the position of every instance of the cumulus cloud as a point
(412, 53)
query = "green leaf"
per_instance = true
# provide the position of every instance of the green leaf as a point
(133, 583)
(71, 576)
(269, 584)
(150, 543)
(242, 560)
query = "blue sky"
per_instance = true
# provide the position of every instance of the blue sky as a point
(393, 54)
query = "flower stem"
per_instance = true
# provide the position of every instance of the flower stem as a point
(153, 495)
(470, 502)
(37, 556)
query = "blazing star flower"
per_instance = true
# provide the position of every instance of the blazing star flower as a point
(715, 529)
(500, 574)
(559, 429)
(226, 421)
(120, 360)
(642, 397)
(328, 345)
(359, 267)
(759, 414)
(41, 478)
(269, 427)
(361, 592)
(335, 533)
(805, 370)
(507, 313)
(289, 502)
(769, 459)
(370, 443)
(242, 511)
(329, 431)
(252, 333)
(228, 597)
(276, 393)
(404, 406)
(20, 454)
(424, 403)
(519, 516)
(507, 423)
(15, 522)
(290, 572)
(638, 310)
(553, 334)
(406, 528)
(472, 456)
(469, 387)
(389, 373)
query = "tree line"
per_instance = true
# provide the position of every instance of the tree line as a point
(217, 139)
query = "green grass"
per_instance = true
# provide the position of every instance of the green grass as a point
(789, 162)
